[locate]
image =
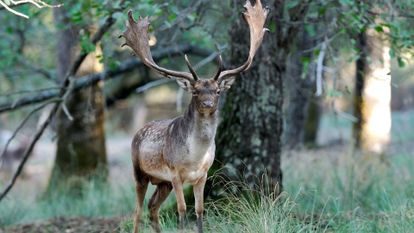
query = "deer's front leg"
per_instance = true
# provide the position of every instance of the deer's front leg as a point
(179, 194)
(198, 189)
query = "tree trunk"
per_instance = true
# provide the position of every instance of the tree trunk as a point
(301, 120)
(372, 92)
(249, 136)
(81, 151)
(314, 113)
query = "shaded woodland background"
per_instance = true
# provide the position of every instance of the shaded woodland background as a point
(324, 117)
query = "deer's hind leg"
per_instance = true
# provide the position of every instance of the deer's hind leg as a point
(159, 196)
(141, 182)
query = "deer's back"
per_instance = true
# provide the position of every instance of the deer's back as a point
(147, 149)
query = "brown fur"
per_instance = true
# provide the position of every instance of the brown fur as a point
(172, 152)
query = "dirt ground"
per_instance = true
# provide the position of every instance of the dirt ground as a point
(69, 225)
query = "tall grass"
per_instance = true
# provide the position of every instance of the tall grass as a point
(322, 193)
(328, 194)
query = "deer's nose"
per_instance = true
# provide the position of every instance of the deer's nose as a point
(207, 104)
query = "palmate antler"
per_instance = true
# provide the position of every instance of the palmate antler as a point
(136, 37)
(255, 16)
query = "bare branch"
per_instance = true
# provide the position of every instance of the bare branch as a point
(20, 126)
(29, 151)
(13, 11)
(319, 68)
(25, 91)
(37, 3)
(92, 79)
(152, 84)
(64, 91)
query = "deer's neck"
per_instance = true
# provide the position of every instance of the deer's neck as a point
(202, 127)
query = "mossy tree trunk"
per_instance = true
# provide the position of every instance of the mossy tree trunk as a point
(249, 136)
(248, 140)
(81, 152)
(372, 94)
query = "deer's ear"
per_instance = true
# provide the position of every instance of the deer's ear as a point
(184, 84)
(226, 83)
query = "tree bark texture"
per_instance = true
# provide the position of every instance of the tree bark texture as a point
(249, 136)
(81, 151)
(372, 94)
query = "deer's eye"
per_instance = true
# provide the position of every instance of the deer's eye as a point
(218, 92)
(195, 93)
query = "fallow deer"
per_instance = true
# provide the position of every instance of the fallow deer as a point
(172, 152)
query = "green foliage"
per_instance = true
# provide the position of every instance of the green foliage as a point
(394, 24)
(293, 3)
(86, 44)
(305, 63)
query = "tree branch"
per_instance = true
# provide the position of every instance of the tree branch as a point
(38, 3)
(20, 126)
(319, 68)
(64, 91)
(28, 151)
(46, 74)
(92, 79)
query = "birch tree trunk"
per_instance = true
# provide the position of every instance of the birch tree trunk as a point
(372, 92)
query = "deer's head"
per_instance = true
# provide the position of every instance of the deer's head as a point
(205, 92)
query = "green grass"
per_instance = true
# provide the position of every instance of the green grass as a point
(325, 191)
(354, 193)
(96, 201)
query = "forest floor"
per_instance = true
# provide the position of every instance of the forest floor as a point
(69, 225)
(317, 180)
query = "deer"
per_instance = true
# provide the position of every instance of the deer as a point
(173, 152)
